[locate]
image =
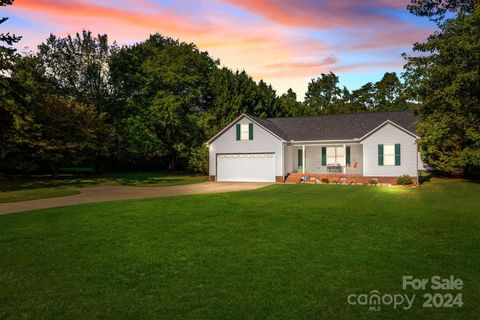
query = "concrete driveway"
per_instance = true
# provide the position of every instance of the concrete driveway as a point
(107, 193)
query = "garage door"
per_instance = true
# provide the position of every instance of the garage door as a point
(246, 167)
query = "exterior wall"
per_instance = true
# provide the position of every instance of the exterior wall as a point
(390, 134)
(289, 160)
(262, 142)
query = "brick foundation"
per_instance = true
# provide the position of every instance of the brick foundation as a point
(339, 178)
(278, 179)
(212, 178)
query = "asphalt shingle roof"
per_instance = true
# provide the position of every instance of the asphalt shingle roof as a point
(335, 127)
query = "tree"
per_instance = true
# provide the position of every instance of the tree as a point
(7, 38)
(363, 99)
(163, 86)
(51, 129)
(436, 10)
(8, 112)
(445, 77)
(288, 105)
(389, 93)
(321, 94)
(78, 67)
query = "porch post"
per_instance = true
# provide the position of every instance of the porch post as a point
(303, 159)
(344, 158)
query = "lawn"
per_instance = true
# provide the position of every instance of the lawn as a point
(281, 252)
(48, 187)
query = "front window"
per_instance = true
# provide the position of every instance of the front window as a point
(244, 132)
(389, 154)
(335, 155)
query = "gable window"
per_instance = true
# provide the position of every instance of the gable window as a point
(244, 131)
(335, 155)
(389, 154)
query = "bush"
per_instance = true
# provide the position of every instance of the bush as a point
(405, 180)
(325, 180)
(424, 177)
(372, 182)
(198, 160)
(77, 170)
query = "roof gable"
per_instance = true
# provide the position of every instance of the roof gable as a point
(258, 121)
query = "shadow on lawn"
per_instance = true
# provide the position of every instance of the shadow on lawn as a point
(88, 180)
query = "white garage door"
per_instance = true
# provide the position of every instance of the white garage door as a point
(246, 167)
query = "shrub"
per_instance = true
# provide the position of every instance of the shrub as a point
(198, 160)
(325, 180)
(372, 181)
(77, 170)
(424, 177)
(405, 180)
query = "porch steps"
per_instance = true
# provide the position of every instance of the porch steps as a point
(294, 177)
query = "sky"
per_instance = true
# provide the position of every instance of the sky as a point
(284, 42)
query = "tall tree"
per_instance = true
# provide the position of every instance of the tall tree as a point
(321, 95)
(51, 129)
(78, 66)
(164, 87)
(444, 76)
(8, 112)
(288, 105)
(436, 10)
(363, 99)
(389, 93)
(231, 94)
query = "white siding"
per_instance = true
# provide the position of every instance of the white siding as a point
(263, 142)
(390, 134)
(289, 161)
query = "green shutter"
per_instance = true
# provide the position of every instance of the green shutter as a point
(250, 131)
(397, 154)
(380, 154)
(324, 156)
(348, 155)
(238, 131)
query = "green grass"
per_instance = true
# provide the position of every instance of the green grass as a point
(48, 187)
(281, 252)
(31, 194)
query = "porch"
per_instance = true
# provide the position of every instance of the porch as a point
(325, 159)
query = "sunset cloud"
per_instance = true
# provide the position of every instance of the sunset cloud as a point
(285, 42)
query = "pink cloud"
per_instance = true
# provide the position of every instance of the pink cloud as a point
(321, 14)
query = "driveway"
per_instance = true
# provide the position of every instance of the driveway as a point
(107, 193)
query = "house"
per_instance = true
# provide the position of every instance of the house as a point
(346, 147)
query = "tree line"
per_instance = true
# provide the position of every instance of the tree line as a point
(82, 100)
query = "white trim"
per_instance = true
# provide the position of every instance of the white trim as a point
(235, 121)
(323, 141)
(383, 125)
(303, 159)
(324, 144)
